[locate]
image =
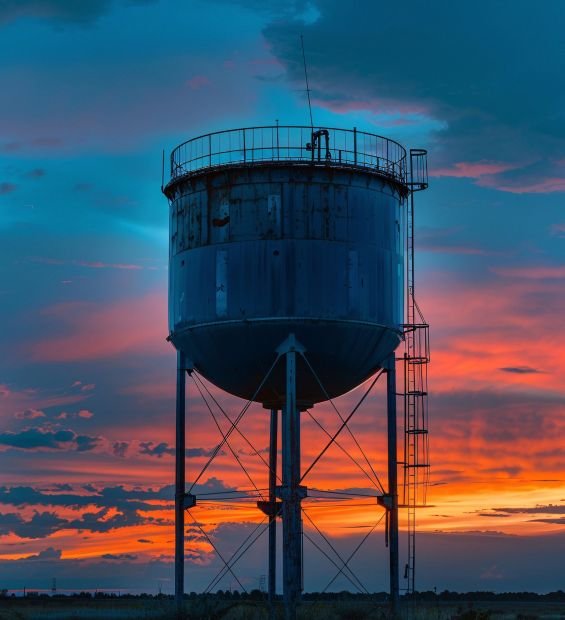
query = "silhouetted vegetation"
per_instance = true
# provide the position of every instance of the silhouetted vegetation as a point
(235, 605)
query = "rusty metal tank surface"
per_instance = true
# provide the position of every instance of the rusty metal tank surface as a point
(277, 231)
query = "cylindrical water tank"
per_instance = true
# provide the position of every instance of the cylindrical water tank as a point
(277, 231)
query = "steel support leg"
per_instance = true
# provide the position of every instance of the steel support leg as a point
(291, 492)
(273, 511)
(180, 483)
(392, 484)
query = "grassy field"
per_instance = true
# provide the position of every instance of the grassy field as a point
(152, 609)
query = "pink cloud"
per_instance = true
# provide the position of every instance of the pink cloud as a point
(86, 414)
(473, 170)
(13, 401)
(83, 263)
(148, 389)
(558, 230)
(546, 186)
(101, 265)
(535, 273)
(485, 173)
(457, 249)
(4, 390)
(376, 106)
(197, 82)
(94, 331)
(29, 414)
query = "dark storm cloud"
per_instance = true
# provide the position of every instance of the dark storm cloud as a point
(46, 554)
(521, 370)
(128, 505)
(37, 438)
(158, 450)
(7, 188)
(547, 509)
(85, 443)
(112, 497)
(486, 71)
(69, 11)
(42, 524)
(120, 448)
(511, 471)
(121, 557)
(36, 173)
(108, 497)
(493, 514)
(98, 521)
(149, 448)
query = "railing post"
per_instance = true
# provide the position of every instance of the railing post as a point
(210, 150)
(355, 145)
(312, 144)
(244, 151)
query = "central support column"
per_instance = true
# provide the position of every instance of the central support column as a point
(291, 492)
(392, 484)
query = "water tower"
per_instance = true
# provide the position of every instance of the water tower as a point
(287, 280)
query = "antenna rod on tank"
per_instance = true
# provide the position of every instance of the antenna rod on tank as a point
(307, 86)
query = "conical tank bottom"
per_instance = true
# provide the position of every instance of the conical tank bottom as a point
(237, 355)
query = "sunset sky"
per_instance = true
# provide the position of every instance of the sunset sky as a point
(91, 92)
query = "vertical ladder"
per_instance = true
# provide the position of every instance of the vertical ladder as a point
(415, 361)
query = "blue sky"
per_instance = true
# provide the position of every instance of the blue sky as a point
(92, 92)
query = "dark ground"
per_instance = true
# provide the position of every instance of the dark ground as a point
(215, 608)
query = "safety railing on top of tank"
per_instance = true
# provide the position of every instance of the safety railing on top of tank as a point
(291, 144)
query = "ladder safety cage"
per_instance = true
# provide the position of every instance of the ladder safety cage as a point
(415, 362)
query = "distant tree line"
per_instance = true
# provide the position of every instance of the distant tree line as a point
(257, 595)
